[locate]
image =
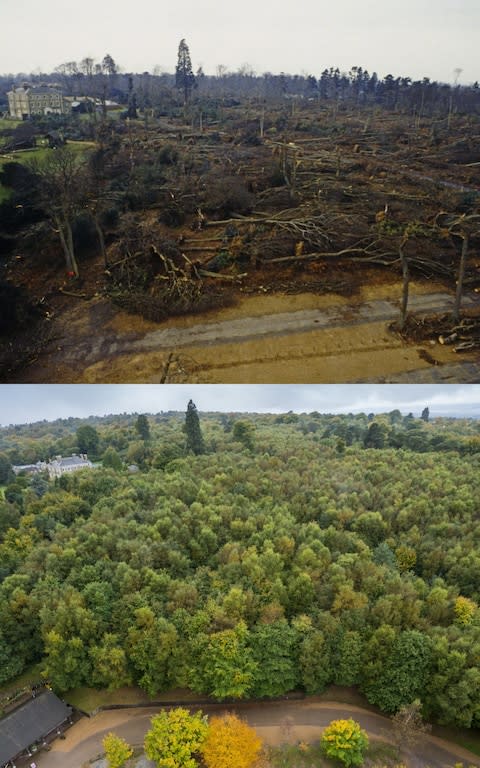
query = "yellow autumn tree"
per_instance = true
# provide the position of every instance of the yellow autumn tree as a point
(344, 740)
(117, 751)
(174, 739)
(230, 742)
(464, 609)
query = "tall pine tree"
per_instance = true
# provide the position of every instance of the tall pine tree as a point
(142, 426)
(193, 431)
(184, 77)
(425, 414)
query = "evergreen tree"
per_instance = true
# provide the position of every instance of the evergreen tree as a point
(108, 65)
(425, 414)
(6, 471)
(184, 77)
(87, 439)
(143, 428)
(193, 431)
(374, 437)
(132, 100)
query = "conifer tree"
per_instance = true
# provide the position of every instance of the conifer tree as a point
(184, 77)
(143, 427)
(193, 431)
(425, 414)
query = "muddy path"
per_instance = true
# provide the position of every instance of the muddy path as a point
(278, 338)
(276, 723)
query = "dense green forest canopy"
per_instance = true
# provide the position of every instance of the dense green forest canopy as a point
(294, 552)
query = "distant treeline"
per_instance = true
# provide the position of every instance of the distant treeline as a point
(161, 90)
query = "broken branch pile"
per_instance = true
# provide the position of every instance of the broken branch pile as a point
(463, 336)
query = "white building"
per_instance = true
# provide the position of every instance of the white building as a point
(30, 469)
(27, 100)
(62, 466)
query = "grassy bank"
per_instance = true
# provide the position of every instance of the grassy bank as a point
(466, 738)
(89, 699)
(38, 155)
(26, 679)
(310, 756)
(6, 123)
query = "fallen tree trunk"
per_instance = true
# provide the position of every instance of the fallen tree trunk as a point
(327, 255)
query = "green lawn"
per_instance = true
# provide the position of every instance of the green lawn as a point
(7, 123)
(38, 153)
(305, 755)
(24, 155)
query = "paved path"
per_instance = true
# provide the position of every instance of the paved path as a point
(276, 723)
(278, 324)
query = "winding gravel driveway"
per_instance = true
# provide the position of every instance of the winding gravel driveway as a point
(275, 722)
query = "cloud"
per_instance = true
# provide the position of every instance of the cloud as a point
(415, 37)
(28, 403)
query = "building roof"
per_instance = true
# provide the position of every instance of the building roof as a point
(40, 466)
(40, 89)
(35, 89)
(30, 723)
(74, 461)
(24, 467)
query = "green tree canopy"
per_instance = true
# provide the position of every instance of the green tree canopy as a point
(87, 439)
(111, 458)
(243, 432)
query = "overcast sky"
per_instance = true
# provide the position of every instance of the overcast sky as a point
(413, 37)
(20, 404)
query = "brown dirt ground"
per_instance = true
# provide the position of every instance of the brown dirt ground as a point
(94, 342)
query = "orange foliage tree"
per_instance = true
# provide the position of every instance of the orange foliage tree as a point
(230, 741)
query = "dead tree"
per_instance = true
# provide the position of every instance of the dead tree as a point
(61, 188)
(287, 153)
(461, 276)
(408, 725)
(465, 227)
(405, 279)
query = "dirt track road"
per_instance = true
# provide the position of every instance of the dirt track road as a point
(273, 338)
(276, 723)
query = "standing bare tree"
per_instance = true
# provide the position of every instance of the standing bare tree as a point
(61, 189)
(456, 74)
(406, 279)
(465, 227)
